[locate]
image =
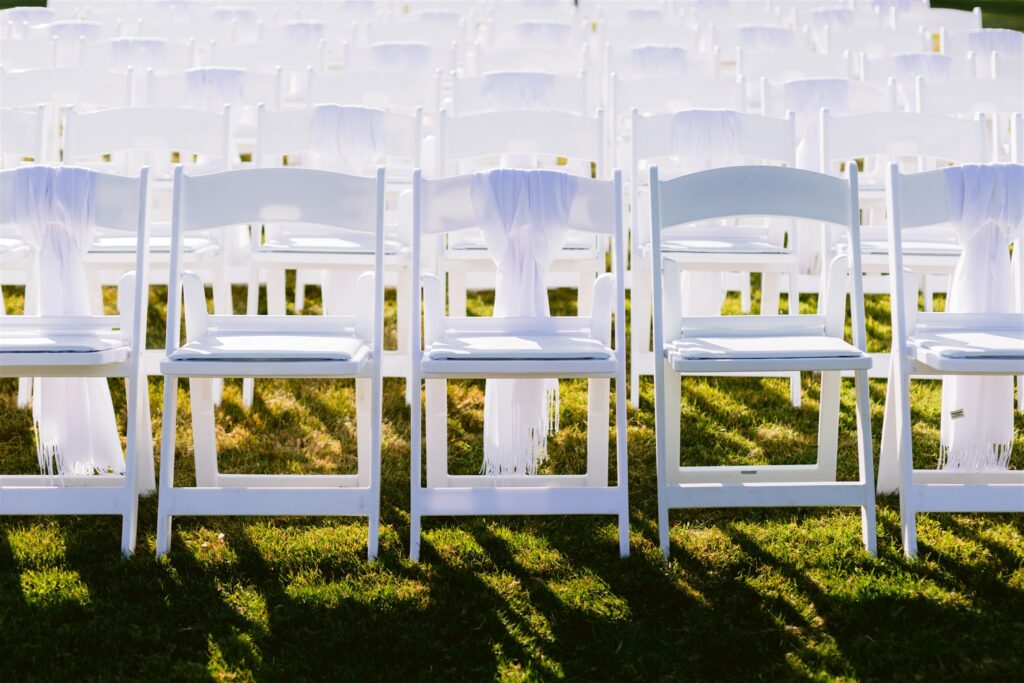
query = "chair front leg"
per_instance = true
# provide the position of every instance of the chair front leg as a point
(252, 307)
(598, 402)
(888, 461)
(865, 461)
(640, 341)
(436, 405)
(364, 393)
(669, 446)
(828, 425)
(222, 305)
(144, 456)
(204, 434)
(167, 446)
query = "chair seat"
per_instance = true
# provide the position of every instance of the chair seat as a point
(12, 248)
(959, 350)
(517, 347)
(730, 246)
(32, 347)
(322, 244)
(121, 244)
(473, 241)
(764, 352)
(269, 347)
(914, 248)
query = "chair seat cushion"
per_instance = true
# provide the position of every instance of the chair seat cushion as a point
(999, 343)
(518, 347)
(761, 348)
(60, 342)
(318, 244)
(271, 347)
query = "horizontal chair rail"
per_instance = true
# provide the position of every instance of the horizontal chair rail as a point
(472, 501)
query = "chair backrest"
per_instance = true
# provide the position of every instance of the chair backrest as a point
(267, 56)
(936, 19)
(405, 56)
(288, 132)
(876, 41)
(658, 60)
(140, 135)
(445, 205)
(463, 139)
(982, 41)
(519, 90)
(663, 95)
(920, 139)
(97, 88)
(172, 89)
(392, 90)
(755, 38)
(138, 52)
(970, 95)
(766, 191)
(23, 136)
(438, 34)
(906, 67)
(332, 201)
(626, 35)
(530, 33)
(567, 59)
(28, 53)
(787, 65)
(853, 98)
(1007, 66)
(511, 11)
(759, 139)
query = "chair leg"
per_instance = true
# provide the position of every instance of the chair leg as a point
(136, 428)
(414, 538)
(144, 456)
(436, 405)
(865, 462)
(167, 445)
(404, 294)
(598, 398)
(771, 287)
(905, 457)
(640, 302)
(622, 461)
(888, 461)
(364, 389)
(204, 435)
(673, 401)
(745, 299)
(828, 425)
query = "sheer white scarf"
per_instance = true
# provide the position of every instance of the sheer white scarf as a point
(518, 89)
(658, 60)
(214, 86)
(703, 139)
(74, 417)
(986, 208)
(524, 217)
(345, 138)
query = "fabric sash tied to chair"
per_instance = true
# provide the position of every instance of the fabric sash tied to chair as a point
(76, 432)
(524, 217)
(986, 208)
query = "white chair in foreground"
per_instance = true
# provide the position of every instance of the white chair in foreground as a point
(752, 344)
(977, 346)
(336, 347)
(72, 353)
(518, 349)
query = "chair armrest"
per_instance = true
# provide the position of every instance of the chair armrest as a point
(601, 309)
(433, 309)
(195, 306)
(366, 298)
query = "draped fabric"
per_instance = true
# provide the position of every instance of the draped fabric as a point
(207, 86)
(411, 56)
(986, 209)
(304, 31)
(136, 51)
(518, 89)
(932, 66)
(766, 38)
(543, 33)
(345, 137)
(524, 217)
(658, 60)
(703, 139)
(74, 417)
(807, 97)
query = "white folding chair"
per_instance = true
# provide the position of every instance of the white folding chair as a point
(928, 345)
(524, 139)
(140, 52)
(28, 53)
(936, 19)
(458, 347)
(14, 21)
(294, 60)
(507, 90)
(418, 57)
(93, 346)
(338, 347)
(997, 98)
(337, 259)
(754, 38)
(567, 59)
(430, 28)
(756, 344)
(907, 66)
(787, 65)
(728, 247)
(652, 60)
(69, 33)
(625, 35)
(1007, 66)
(875, 41)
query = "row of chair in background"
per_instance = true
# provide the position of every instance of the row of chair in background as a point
(456, 347)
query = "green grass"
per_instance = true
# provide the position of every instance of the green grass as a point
(747, 594)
